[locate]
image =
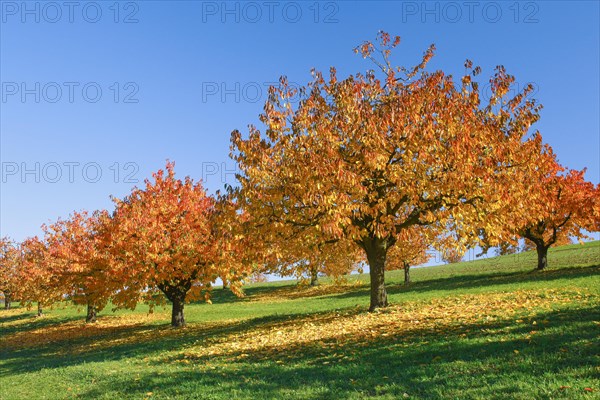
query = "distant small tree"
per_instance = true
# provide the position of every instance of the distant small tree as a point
(451, 246)
(257, 278)
(528, 245)
(410, 250)
(507, 248)
(306, 257)
(334, 260)
(452, 256)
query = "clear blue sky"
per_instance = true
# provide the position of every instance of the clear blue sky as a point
(188, 72)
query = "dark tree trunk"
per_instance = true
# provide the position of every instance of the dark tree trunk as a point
(406, 274)
(314, 277)
(376, 250)
(92, 313)
(176, 295)
(177, 318)
(542, 253)
(40, 312)
(7, 300)
(225, 285)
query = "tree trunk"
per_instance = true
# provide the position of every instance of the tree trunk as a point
(92, 313)
(542, 253)
(177, 318)
(406, 274)
(7, 300)
(176, 294)
(376, 250)
(40, 312)
(314, 277)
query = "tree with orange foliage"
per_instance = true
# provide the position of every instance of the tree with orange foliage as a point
(560, 205)
(568, 203)
(173, 238)
(365, 158)
(9, 280)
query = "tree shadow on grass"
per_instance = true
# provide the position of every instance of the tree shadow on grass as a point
(77, 343)
(472, 362)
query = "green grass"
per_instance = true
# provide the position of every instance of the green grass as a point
(484, 329)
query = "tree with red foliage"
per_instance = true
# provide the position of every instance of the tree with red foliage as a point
(171, 237)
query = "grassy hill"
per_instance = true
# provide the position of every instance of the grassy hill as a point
(483, 329)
